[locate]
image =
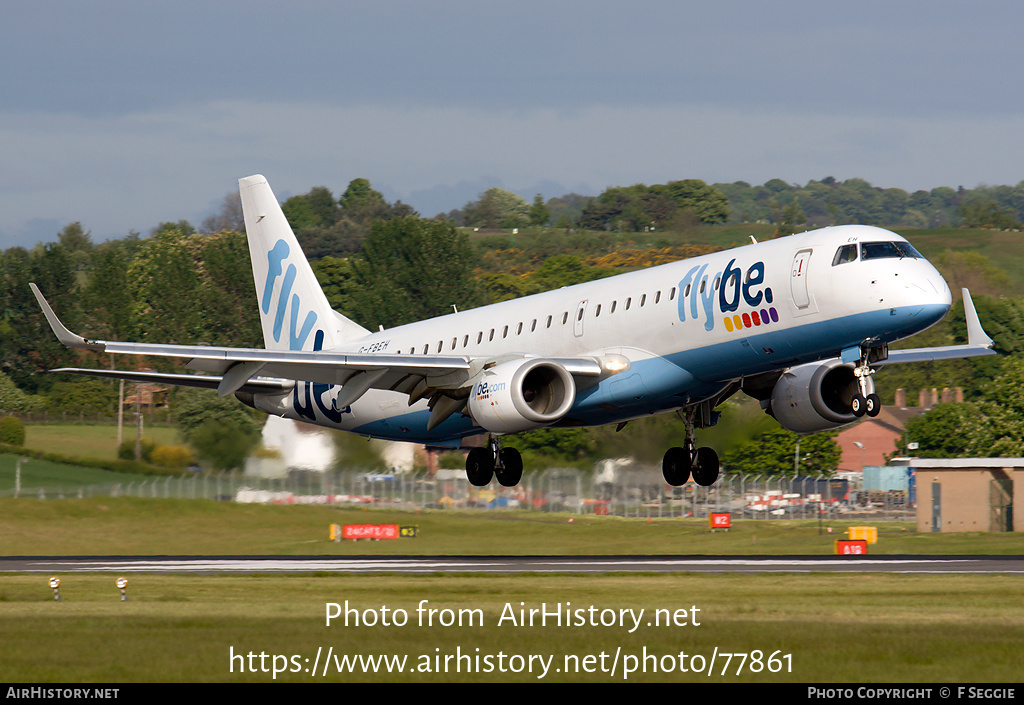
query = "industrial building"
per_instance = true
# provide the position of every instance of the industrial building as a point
(968, 494)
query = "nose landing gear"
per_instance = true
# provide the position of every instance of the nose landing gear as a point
(866, 401)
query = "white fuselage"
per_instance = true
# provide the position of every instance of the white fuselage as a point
(688, 329)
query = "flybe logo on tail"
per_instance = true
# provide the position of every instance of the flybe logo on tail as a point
(725, 293)
(307, 397)
(296, 335)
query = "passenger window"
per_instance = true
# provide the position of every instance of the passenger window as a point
(549, 321)
(614, 304)
(597, 311)
(628, 302)
(643, 300)
(672, 293)
(657, 297)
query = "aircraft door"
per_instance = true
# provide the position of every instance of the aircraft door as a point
(801, 297)
(577, 324)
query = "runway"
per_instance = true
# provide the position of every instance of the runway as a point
(234, 565)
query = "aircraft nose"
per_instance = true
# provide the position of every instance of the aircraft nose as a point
(937, 284)
(945, 293)
(926, 295)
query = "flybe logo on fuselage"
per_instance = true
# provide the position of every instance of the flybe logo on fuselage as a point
(737, 295)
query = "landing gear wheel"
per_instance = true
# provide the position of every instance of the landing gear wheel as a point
(479, 467)
(874, 405)
(858, 405)
(705, 470)
(511, 471)
(676, 466)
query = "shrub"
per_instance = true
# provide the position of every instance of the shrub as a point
(127, 449)
(176, 457)
(12, 431)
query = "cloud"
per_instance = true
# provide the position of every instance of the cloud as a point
(130, 172)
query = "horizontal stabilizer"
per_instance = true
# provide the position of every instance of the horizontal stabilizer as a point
(253, 386)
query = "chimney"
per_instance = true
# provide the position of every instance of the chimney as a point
(901, 399)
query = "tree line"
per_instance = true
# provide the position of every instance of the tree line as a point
(678, 205)
(382, 264)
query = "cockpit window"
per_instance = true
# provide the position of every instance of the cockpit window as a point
(883, 250)
(846, 253)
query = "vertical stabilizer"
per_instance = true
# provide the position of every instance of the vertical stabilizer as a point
(293, 309)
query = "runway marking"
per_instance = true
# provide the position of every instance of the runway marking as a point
(516, 564)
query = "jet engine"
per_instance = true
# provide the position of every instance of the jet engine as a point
(816, 396)
(521, 395)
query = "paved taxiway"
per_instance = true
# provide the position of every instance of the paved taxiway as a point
(512, 564)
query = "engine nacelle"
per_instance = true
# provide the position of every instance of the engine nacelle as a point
(521, 395)
(816, 396)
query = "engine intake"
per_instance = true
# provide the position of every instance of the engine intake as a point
(522, 395)
(816, 396)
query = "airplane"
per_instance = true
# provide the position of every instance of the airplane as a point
(799, 323)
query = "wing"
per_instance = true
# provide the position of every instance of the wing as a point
(978, 343)
(257, 370)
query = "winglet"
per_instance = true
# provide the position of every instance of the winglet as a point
(64, 335)
(975, 333)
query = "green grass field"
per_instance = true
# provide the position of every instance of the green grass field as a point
(91, 440)
(807, 628)
(792, 627)
(132, 526)
(43, 473)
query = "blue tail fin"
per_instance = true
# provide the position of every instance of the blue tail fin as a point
(293, 309)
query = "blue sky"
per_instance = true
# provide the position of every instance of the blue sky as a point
(124, 114)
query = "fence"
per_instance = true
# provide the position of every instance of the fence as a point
(627, 494)
(150, 417)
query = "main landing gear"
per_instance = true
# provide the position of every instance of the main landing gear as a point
(505, 464)
(679, 464)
